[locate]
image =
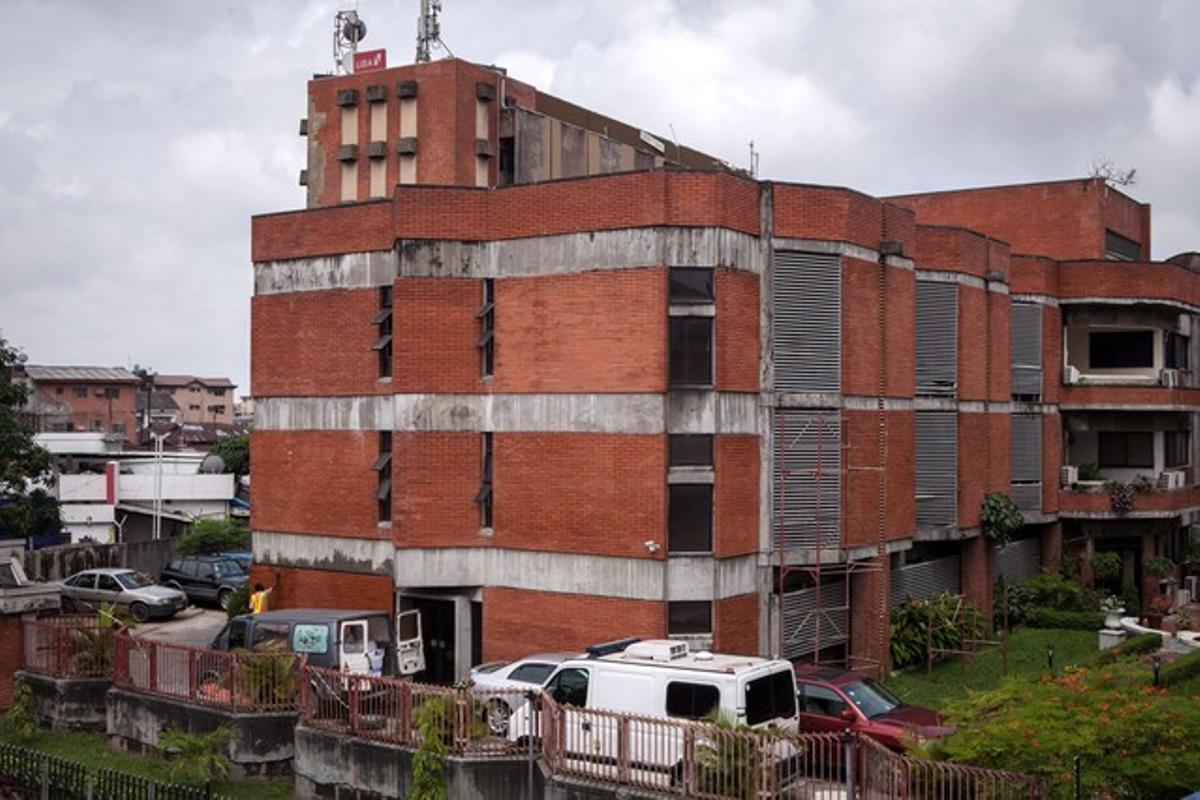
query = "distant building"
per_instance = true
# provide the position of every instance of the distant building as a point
(243, 411)
(93, 399)
(200, 400)
(162, 407)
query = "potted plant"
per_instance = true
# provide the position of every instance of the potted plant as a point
(1120, 497)
(1156, 609)
(1159, 566)
(1113, 609)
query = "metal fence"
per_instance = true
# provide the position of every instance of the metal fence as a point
(671, 756)
(467, 722)
(238, 682)
(32, 773)
(67, 646)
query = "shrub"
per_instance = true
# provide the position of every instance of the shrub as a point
(1134, 740)
(239, 601)
(952, 619)
(198, 757)
(1137, 645)
(1054, 591)
(1120, 497)
(213, 536)
(20, 721)
(1090, 472)
(1105, 566)
(1042, 617)
(1000, 518)
(1181, 669)
(432, 719)
(1158, 566)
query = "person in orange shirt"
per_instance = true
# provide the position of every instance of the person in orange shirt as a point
(258, 600)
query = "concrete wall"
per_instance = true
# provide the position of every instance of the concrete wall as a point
(69, 705)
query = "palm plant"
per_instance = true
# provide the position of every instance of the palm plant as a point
(199, 757)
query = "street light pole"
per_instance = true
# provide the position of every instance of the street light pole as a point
(158, 469)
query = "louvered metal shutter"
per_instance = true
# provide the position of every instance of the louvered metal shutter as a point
(1018, 562)
(806, 327)
(1196, 449)
(918, 581)
(937, 338)
(807, 478)
(1027, 349)
(1027, 461)
(937, 468)
(802, 618)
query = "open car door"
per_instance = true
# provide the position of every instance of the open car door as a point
(352, 646)
(410, 650)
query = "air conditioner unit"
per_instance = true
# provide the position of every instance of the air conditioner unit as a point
(1173, 479)
(1068, 475)
(657, 650)
(1182, 598)
(1170, 378)
(1070, 375)
(1192, 584)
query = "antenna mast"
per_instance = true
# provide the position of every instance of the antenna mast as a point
(429, 31)
(348, 31)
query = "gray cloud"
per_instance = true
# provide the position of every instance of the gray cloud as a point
(138, 137)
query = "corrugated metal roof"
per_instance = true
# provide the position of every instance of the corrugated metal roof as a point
(184, 380)
(40, 372)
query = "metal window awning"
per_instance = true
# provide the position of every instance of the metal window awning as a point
(484, 493)
(382, 315)
(382, 462)
(149, 512)
(385, 489)
(382, 342)
(485, 309)
(484, 338)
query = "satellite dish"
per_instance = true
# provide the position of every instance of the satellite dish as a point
(355, 30)
(212, 464)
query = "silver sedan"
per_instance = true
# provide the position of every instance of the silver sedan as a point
(125, 588)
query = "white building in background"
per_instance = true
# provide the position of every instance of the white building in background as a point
(106, 494)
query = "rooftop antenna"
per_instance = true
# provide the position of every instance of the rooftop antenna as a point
(348, 31)
(753, 160)
(429, 31)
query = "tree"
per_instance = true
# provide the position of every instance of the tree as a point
(22, 461)
(235, 451)
(213, 536)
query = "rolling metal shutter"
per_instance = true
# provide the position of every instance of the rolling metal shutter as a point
(1196, 449)
(807, 478)
(806, 322)
(937, 468)
(801, 618)
(918, 581)
(1027, 349)
(937, 338)
(1026, 473)
(1018, 562)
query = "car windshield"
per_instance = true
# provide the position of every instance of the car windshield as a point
(133, 580)
(227, 569)
(491, 666)
(872, 699)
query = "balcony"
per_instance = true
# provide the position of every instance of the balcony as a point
(1140, 346)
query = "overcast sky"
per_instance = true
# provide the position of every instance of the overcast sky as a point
(137, 138)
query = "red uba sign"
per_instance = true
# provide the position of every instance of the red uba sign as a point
(370, 60)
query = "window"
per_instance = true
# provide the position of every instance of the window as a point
(354, 638)
(96, 426)
(237, 635)
(383, 339)
(689, 518)
(487, 328)
(691, 450)
(193, 408)
(134, 580)
(506, 158)
(569, 687)
(58, 390)
(310, 638)
(936, 322)
(691, 700)
(107, 583)
(689, 617)
(1175, 351)
(1120, 349)
(118, 427)
(1177, 445)
(82, 581)
(690, 286)
(112, 392)
(770, 697)
(1119, 248)
(383, 470)
(217, 392)
(1123, 449)
(484, 496)
(822, 701)
(80, 391)
(872, 699)
(204, 570)
(691, 351)
(270, 636)
(532, 673)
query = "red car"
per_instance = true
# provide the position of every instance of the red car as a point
(832, 699)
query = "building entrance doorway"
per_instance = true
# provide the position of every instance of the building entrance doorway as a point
(438, 628)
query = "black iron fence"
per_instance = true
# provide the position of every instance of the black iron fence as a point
(29, 773)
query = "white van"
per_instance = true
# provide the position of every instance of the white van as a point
(661, 679)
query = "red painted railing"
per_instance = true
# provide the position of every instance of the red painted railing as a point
(239, 682)
(67, 646)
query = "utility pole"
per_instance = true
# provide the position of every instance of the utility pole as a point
(428, 29)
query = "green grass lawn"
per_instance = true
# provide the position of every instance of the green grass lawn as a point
(951, 680)
(92, 750)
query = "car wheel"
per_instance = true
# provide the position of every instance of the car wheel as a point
(140, 612)
(496, 714)
(68, 605)
(223, 599)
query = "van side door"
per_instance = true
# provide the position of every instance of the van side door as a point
(410, 649)
(352, 648)
(569, 688)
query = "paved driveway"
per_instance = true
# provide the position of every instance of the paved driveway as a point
(194, 626)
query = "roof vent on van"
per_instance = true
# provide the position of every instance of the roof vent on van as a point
(657, 650)
(702, 655)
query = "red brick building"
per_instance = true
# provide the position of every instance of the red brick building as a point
(97, 399)
(552, 380)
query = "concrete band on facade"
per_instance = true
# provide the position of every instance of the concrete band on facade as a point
(1129, 301)
(839, 248)
(691, 577)
(632, 248)
(678, 412)
(1040, 299)
(962, 279)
